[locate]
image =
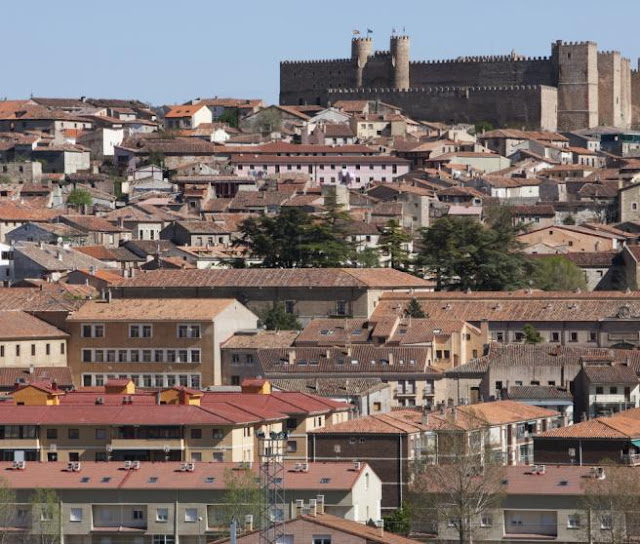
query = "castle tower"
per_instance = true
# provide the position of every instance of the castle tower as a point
(400, 61)
(361, 50)
(576, 67)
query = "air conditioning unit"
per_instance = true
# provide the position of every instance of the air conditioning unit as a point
(135, 465)
(127, 465)
(19, 465)
(304, 467)
(187, 467)
(53, 447)
(356, 465)
(298, 467)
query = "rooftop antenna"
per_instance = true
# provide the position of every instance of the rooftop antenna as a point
(271, 453)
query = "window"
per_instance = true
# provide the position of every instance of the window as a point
(47, 349)
(292, 446)
(634, 206)
(573, 521)
(73, 434)
(138, 514)
(321, 539)
(555, 337)
(162, 515)
(2, 351)
(599, 390)
(217, 434)
(188, 331)
(196, 434)
(573, 337)
(101, 434)
(195, 355)
(500, 337)
(17, 350)
(196, 457)
(605, 521)
(341, 307)
(377, 406)
(486, 520)
(52, 434)
(191, 515)
(613, 390)
(93, 331)
(593, 336)
(235, 358)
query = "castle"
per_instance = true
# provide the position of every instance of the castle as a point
(576, 87)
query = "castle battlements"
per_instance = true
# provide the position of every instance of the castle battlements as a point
(481, 59)
(563, 90)
(440, 89)
(320, 61)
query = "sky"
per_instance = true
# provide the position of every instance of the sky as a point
(167, 52)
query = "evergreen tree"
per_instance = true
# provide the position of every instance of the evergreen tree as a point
(393, 242)
(414, 309)
(369, 257)
(278, 319)
(461, 253)
(531, 335)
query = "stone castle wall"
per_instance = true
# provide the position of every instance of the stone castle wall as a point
(592, 88)
(635, 98)
(518, 106)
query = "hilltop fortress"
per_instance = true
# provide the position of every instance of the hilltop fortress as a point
(576, 87)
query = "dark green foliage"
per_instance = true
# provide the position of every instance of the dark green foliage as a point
(460, 253)
(277, 319)
(230, 116)
(393, 243)
(414, 309)
(399, 522)
(531, 335)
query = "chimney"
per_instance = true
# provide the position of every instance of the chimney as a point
(59, 255)
(313, 507)
(380, 526)
(292, 356)
(54, 385)
(390, 359)
(32, 369)
(320, 502)
(248, 523)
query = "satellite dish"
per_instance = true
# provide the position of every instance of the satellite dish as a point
(59, 240)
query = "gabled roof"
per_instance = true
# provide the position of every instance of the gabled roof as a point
(379, 278)
(17, 324)
(184, 111)
(153, 309)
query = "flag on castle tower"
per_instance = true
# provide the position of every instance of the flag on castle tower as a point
(356, 32)
(369, 31)
(393, 31)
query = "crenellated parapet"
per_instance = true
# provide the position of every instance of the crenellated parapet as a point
(439, 89)
(481, 59)
(310, 62)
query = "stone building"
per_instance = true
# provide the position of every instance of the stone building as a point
(575, 87)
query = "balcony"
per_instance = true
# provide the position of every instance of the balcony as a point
(147, 444)
(20, 444)
(631, 459)
(401, 392)
(428, 391)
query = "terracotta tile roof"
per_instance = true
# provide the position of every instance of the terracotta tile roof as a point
(334, 332)
(104, 253)
(56, 258)
(13, 211)
(361, 360)
(54, 475)
(516, 306)
(53, 299)
(260, 339)
(202, 227)
(377, 278)
(184, 111)
(330, 387)
(610, 374)
(619, 427)
(91, 223)
(538, 392)
(335, 130)
(109, 276)
(539, 210)
(258, 199)
(396, 422)
(285, 148)
(232, 102)
(9, 376)
(523, 135)
(152, 309)
(505, 411)
(17, 324)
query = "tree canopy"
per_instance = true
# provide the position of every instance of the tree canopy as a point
(393, 243)
(277, 318)
(294, 239)
(460, 253)
(79, 198)
(414, 309)
(557, 273)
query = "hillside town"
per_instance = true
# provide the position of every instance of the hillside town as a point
(338, 318)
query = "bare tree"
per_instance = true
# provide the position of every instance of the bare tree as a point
(462, 490)
(8, 510)
(45, 516)
(611, 503)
